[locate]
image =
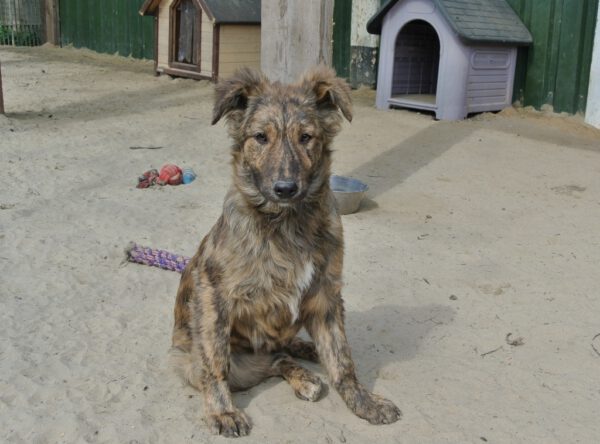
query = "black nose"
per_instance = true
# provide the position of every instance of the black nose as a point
(285, 189)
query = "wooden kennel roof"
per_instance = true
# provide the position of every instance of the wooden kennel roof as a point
(219, 11)
(475, 21)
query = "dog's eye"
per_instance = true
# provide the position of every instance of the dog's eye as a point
(261, 138)
(305, 138)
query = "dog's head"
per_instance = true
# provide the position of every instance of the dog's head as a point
(282, 133)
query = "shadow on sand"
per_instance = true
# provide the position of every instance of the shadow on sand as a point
(395, 165)
(381, 336)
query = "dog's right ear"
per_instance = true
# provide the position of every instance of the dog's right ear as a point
(231, 95)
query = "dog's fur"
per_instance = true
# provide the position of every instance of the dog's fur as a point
(271, 264)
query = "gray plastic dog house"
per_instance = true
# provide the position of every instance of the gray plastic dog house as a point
(452, 57)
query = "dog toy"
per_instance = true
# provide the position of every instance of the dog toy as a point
(147, 179)
(169, 174)
(188, 175)
(156, 258)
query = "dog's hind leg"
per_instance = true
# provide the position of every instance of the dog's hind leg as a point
(301, 349)
(305, 383)
(250, 369)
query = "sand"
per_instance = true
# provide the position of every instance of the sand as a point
(472, 230)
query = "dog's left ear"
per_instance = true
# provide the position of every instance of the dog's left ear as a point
(330, 90)
(232, 94)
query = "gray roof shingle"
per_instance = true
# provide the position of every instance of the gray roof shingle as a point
(234, 11)
(220, 11)
(475, 21)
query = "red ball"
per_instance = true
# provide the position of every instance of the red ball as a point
(169, 174)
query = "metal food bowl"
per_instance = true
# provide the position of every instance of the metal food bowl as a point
(348, 193)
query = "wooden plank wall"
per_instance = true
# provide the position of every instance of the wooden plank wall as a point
(239, 45)
(163, 33)
(206, 46)
(555, 69)
(110, 26)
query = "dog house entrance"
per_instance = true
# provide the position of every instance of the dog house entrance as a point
(416, 64)
(185, 35)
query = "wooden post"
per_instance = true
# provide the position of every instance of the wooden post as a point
(1, 96)
(295, 35)
(592, 110)
(51, 23)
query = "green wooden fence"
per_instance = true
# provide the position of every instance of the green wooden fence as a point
(342, 27)
(555, 70)
(109, 26)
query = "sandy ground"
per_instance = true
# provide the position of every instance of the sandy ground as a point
(473, 230)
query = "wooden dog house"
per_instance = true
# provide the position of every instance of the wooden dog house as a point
(205, 39)
(452, 57)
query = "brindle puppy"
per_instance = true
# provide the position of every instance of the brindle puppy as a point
(272, 263)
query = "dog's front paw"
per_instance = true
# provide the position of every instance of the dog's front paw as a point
(230, 424)
(375, 409)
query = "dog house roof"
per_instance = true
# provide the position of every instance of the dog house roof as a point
(475, 21)
(219, 11)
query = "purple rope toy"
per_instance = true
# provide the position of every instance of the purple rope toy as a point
(156, 258)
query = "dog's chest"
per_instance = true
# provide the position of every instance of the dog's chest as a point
(304, 276)
(269, 298)
(277, 288)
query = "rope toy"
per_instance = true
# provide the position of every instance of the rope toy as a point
(156, 258)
